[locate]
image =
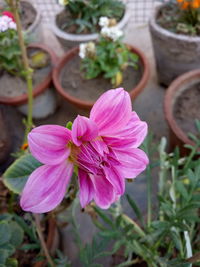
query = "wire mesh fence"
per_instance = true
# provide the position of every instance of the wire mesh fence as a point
(140, 9)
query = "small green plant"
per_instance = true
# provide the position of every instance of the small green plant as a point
(109, 56)
(10, 53)
(85, 14)
(171, 236)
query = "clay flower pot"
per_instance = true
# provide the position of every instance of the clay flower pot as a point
(69, 40)
(179, 137)
(175, 54)
(71, 54)
(40, 88)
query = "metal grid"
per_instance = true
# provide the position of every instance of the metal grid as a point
(140, 9)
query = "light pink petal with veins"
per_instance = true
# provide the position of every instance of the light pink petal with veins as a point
(104, 193)
(48, 143)
(112, 111)
(132, 135)
(86, 188)
(132, 162)
(114, 177)
(46, 187)
(83, 129)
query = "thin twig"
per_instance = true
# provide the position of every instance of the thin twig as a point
(42, 242)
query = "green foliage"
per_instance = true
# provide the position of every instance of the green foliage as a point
(11, 237)
(10, 53)
(17, 174)
(85, 14)
(110, 60)
(172, 236)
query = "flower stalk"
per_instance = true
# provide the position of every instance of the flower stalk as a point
(42, 242)
(27, 70)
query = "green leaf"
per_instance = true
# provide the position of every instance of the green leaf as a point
(3, 256)
(11, 262)
(5, 232)
(135, 208)
(103, 216)
(17, 234)
(17, 174)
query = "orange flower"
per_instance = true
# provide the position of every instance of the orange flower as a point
(185, 4)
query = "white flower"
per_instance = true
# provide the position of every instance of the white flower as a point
(104, 22)
(3, 26)
(12, 25)
(87, 50)
(7, 23)
(63, 2)
(82, 50)
(112, 32)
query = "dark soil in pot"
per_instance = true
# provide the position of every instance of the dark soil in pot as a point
(171, 18)
(27, 14)
(63, 21)
(73, 81)
(187, 109)
(13, 86)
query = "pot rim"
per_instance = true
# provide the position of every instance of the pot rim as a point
(37, 20)
(18, 100)
(88, 104)
(85, 37)
(169, 103)
(156, 27)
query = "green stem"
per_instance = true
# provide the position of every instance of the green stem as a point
(42, 242)
(28, 72)
(149, 191)
(136, 226)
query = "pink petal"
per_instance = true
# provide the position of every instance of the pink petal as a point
(132, 134)
(114, 177)
(86, 188)
(48, 143)
(46, 187)
(83, 129)
(133, 162)
(112, 111)
(104, 193)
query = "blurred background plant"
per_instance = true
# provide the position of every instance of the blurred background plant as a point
(170, 237)
(84, 15)
(109, 56)
(181, 16)
(10, 52)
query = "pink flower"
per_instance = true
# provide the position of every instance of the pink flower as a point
(103, 148)
(8, 14)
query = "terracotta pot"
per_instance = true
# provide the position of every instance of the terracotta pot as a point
(175, 54)
(177, 136)
(52, 240)
(69, 40)
(38, 89)
(86, 104)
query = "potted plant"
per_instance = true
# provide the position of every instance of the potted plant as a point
(78, 22)
(175, 30)
(181, 106)
(85, 72)
(30, 18)
(12, 73)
